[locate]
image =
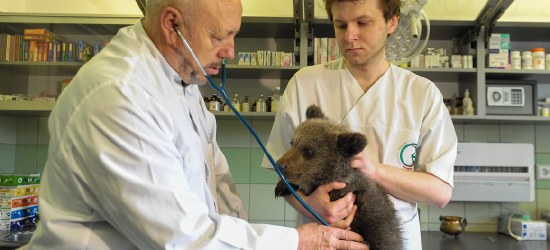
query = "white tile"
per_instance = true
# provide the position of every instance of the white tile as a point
(482, 212)
(454, 208)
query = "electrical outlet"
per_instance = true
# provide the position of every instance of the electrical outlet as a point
(543, 172)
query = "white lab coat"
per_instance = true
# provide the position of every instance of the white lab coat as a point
(133, 163)
(402, 115)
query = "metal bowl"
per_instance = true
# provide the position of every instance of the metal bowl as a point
(23, 236)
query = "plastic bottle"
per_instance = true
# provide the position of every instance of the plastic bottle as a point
(260, 104)
(245, 104)
(276, 99)
(236, 102)
(526, 60)
(516, 59)
(538, 58)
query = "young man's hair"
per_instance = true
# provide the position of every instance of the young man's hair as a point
(389, 8)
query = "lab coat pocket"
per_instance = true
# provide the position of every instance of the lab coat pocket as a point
(392, 145)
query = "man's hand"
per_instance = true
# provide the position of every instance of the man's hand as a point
(333, 212)
(314, 236)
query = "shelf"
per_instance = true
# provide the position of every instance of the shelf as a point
(443, 70)
(259, 72)
(43, 68)
(6, 106)
(81, 24)
(247, 115)
(281, 27)
(518, 71)
(524, 31)
(500, 119)
(439, 30)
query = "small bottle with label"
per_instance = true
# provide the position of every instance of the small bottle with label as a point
(526, 60)
(206, 102)
(516, 59)
(236, 102)
(276, 100)
(245, 104)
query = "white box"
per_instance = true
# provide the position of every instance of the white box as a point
(498, 61)
(524, 229)
(499, 41)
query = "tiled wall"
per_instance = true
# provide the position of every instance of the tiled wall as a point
(24, 144)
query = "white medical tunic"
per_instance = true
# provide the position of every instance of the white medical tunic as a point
(133, 162)
(402, 115)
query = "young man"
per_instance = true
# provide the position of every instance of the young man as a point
(133, 160)
(411, 139)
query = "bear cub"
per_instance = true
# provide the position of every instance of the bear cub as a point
(321, 152)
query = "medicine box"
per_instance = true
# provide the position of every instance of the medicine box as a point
(525, 229)
(499, 41)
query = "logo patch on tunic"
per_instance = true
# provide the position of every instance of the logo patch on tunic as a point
(407, 155)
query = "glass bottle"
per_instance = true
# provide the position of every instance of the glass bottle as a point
(206, 102)
(276, 99)
(236, 102)
(268, 104)
(260, 104)
(245, 104)
(215, 103)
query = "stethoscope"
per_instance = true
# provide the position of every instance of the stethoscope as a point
(221, 89)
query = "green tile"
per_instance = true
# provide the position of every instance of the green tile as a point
(43, 134)
(8, 129)
(481, 133)
(27, 130)
(261, 175)
(459, 130)
(542, 159)
(244, 192)
(542, 139)
(231, 133)
(263, 205)
(25, 159)
(517, 134)
(263, 129)
(239, 163)
(7, 158)
(41, 157)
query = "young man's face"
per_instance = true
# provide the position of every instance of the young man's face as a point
(361, 31)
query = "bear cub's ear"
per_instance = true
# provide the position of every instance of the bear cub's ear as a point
(351, 143)
(314, 112)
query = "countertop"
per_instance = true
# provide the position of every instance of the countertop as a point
(434, 240)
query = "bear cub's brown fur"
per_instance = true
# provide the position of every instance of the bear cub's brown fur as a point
(321, 153)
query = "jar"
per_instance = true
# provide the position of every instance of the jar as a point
(516, 59)
(526, 60)
(538, 58)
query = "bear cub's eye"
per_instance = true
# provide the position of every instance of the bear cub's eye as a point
(307, 152)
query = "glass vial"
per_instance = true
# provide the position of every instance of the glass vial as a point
(276, 99)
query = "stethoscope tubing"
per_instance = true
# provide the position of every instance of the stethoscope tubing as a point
(221, 90)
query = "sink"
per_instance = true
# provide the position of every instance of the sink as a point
(23, 237)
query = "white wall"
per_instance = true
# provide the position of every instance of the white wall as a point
(277, 8)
